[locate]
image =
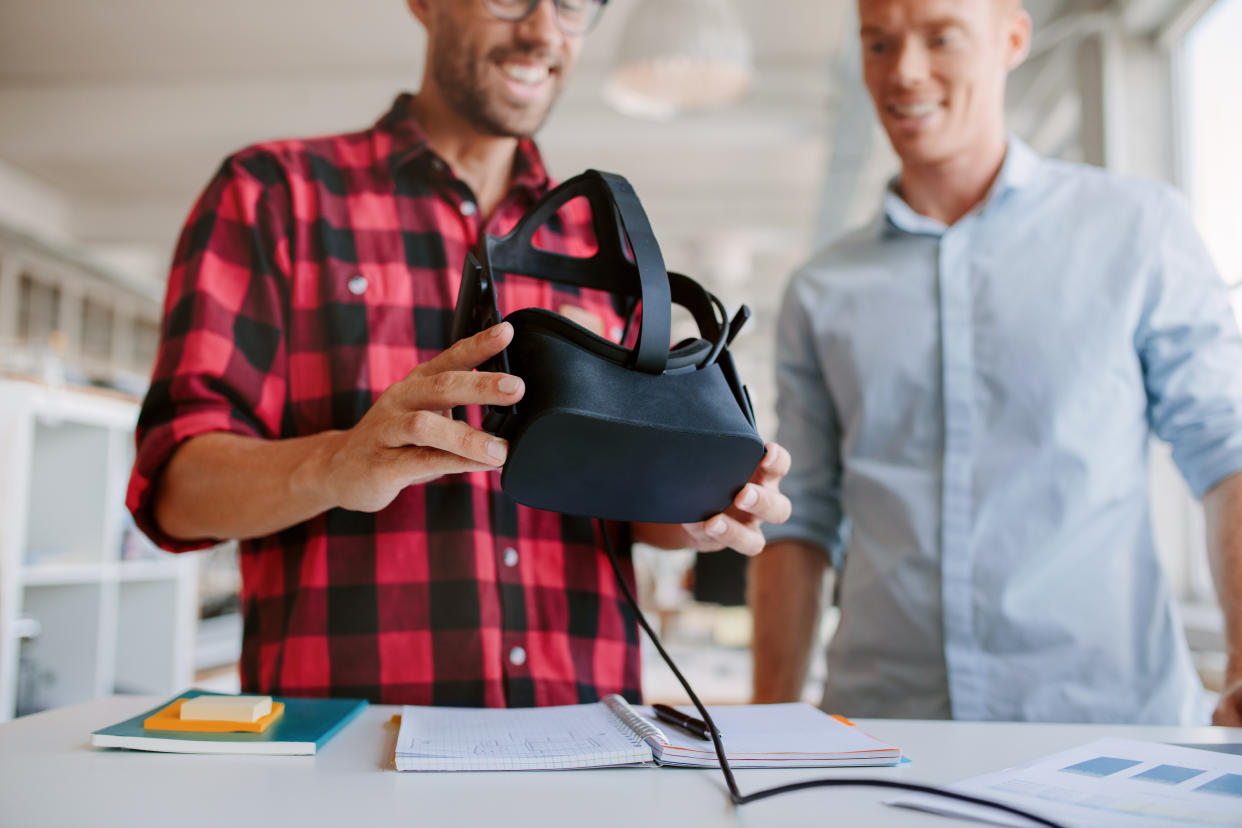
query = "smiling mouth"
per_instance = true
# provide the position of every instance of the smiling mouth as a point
(914, 110)
(525, 73)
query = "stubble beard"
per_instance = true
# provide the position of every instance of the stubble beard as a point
(457, 73)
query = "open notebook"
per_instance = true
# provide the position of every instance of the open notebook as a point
(612, 732)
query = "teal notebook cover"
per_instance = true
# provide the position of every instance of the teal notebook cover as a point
(302, 729)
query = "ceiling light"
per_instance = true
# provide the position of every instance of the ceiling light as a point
(680, 55)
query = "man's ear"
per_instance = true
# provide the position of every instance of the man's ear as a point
(1017, 38)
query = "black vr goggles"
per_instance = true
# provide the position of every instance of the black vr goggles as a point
(648, 434)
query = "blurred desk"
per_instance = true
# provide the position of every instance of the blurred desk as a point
(50, 776)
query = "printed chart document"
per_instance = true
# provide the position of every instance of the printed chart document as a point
(612, 732)
(1111, 782)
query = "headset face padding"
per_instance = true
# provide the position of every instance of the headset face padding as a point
(688, 352)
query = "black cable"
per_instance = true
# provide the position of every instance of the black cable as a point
(735, 794)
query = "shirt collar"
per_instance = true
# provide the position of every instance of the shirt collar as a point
(407, 144)
(1017, 172)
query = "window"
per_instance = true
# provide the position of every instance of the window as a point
(1212, 64)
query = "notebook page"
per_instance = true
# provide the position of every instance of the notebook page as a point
(777, 734)
(570, 736)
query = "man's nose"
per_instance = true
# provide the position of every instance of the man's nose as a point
(913, 64)
(540, 27)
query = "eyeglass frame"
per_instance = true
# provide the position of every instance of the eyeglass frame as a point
(531, 5)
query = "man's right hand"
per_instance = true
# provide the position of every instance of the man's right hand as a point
(409, 436)
(222, 486)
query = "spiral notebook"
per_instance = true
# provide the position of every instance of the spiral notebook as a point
(613, 733)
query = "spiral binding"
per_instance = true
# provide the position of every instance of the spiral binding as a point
(636, 724)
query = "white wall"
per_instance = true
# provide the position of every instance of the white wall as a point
(29, 205)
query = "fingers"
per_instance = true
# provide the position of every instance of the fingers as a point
(447, 389)
(773, 466)
(449, 380)
(467, 354)
(759, 501)
(420, 464)
(724, 531)
(764, 503)
(430, 430)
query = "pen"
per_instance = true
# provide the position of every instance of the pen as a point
(687, 723)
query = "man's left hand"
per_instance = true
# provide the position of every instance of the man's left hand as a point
(738, 527)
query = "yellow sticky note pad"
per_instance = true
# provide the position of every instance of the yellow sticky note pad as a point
(226, 708)
(169, 718)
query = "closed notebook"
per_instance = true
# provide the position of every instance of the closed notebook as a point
(612, 733)
(302, 728)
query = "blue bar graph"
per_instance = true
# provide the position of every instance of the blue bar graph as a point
(1102, 766)
(1167, 774)
(1230, 785)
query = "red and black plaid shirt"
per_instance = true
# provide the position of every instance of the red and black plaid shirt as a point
(310, 276)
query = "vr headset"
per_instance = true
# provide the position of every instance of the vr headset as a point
(648, 433)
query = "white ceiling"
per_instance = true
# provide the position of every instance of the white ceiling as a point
(136, 40)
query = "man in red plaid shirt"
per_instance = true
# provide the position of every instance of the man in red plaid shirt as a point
(299, 395)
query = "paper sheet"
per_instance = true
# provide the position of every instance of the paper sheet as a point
(1110, 782)
(446, 738)
(772, 735)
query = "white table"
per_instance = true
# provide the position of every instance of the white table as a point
(49, 775)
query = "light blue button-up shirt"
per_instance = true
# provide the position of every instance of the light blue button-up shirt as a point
(969, 409)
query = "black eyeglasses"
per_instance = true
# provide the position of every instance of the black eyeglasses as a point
(574, 17)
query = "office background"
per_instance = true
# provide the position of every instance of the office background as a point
(114, 115)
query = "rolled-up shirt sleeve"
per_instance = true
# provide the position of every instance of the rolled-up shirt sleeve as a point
(1191, 352)
(221, 364)
(808, 430)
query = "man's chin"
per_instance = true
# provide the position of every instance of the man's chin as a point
(509, 126)
(919, 148)
(494, 115)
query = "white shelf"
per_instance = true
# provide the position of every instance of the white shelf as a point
(54, 574)
(68, 573)
(102, 622)
(159, 570)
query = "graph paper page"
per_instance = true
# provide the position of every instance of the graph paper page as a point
(571, 736)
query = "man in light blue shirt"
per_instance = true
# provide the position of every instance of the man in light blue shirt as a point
(967, 388)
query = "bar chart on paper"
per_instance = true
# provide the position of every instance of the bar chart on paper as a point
(1111, 782)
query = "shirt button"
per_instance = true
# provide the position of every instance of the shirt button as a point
(517, 656)
(357, 284)
(511, 557)
(468, 208)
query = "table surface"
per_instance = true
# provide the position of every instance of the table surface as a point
(49, 775)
